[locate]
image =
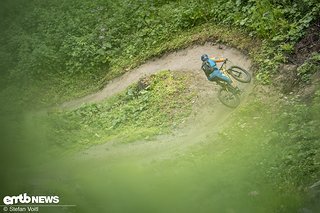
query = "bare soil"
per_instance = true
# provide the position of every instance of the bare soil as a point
(183, 60)
(207, 119)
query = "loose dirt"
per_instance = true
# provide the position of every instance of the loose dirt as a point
(207, 118)
(183, 60)
(161, 174)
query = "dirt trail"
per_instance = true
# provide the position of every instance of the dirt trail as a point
(183, 60)
(207, 119)
(99, 164)
(166, 172)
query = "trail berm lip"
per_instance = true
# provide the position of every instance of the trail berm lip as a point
(182, 60)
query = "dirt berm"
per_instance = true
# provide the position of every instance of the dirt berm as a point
(183, 60)
(208, 115)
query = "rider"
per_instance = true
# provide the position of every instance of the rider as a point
(209, 66)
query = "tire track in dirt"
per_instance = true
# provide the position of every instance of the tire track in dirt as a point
(183, 60)
(207, 119)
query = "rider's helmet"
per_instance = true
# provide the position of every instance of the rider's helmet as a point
(204, 57)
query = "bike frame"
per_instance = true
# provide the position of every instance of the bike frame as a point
(223, 65)
(223, 68)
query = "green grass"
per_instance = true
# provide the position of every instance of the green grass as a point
(267, 146)
(288, 129)
(229, 170)
(152, 106)
(213, 32)
(51, 54)
(245, 166)
(59, 88)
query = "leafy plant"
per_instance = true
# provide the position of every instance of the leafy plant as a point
(309, 67)
(84, 43)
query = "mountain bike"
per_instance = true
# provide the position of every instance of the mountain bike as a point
(228, 94)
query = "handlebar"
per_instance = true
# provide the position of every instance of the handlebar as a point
(224, 62)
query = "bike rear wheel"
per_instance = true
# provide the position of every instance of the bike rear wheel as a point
(239, 74)
(229, 97)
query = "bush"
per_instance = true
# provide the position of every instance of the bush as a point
(98, 39)
(309, 67)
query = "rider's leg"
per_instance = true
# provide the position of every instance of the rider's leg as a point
(217, 74)
(223, 77)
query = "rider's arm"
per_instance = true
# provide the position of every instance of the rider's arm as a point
(217, 60)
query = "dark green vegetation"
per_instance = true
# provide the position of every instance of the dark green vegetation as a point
(56, 50)
(309, 67)
(60, 49)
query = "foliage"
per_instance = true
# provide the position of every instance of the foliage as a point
(287, 128)
(309, 67)
(98, 39)
(297, 135)
(71, 47)
(268, 60)
(154, 105)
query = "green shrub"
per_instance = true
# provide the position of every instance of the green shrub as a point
(96, 40)
(309, 67)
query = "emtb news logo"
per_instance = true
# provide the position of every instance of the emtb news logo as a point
(25, 199)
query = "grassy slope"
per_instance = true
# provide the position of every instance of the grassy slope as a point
(59, 91)
(259, 163)
(294, 163)
(154, 105)
(237, 168)
(96, 124)
(72, 48)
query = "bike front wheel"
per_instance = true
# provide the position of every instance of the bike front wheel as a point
(239, 74)
(229, 97)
